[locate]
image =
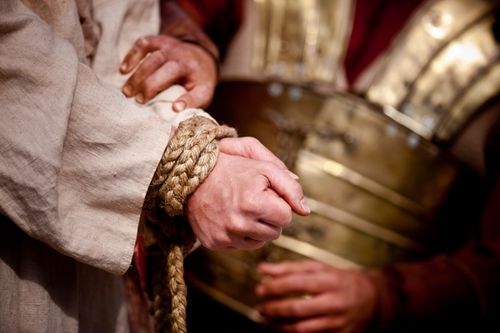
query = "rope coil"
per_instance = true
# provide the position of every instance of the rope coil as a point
(188, 159)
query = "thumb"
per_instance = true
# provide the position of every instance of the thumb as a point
(286, 187)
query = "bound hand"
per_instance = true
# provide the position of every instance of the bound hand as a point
(243, 203)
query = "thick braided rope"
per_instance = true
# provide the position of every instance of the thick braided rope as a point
(188, 159)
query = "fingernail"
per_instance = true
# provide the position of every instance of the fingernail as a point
(124, 67)
(127, 90)
(305, 206)
(139, 98)
(179, 106)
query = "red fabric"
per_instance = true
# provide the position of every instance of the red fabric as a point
(140, 260)
(220, 19)
(208, 12)
(376, 23)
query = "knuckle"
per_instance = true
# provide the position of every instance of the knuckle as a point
(158, 58)
(294, 309)
(296, 188)
(142, 42)
(134, 80)
(250, 205)
(276, 234)
(237, 227)
(175, 66)
(285, 217)
(272, 169)
(288, 216)
(151, 87)
(251, 140)
(170, 41)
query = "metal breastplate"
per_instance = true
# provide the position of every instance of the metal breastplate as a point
(442, 69)
(372, 169)
(301, 40)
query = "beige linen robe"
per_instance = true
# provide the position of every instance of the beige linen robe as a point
(76, 161)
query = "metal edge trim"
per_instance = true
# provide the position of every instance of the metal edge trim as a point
(314, 252)
(336, 169)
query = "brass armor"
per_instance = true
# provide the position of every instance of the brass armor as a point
(301, 40)
(372, 168)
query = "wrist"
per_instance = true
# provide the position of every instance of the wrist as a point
(387, 284)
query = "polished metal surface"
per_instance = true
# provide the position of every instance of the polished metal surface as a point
(441, 68)
(373, 185)
(301, 40)
(372, 169)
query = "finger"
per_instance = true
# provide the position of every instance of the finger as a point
(296, 308)
(273, 210)
(291, 266)
(161, 79)
(228, 242)
(251, 148)
(313, 325)
(265, 232)
(132, 58)
(244, 243)
(252, 244)
(236, 236)
(302, 283)
(133, 85)
(198, 97)
(141, 48)
(288, 188)
(250, 228)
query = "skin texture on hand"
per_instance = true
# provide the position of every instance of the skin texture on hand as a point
(243, 203)
(310, 296)
(157, 62)
(252, 148)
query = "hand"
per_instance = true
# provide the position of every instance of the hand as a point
(167, 60)
(252, 148)
(330, 299)
(243, 203)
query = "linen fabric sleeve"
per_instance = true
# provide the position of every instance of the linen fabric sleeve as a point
(77, 156)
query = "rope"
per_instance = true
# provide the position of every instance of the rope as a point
(188, 159)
